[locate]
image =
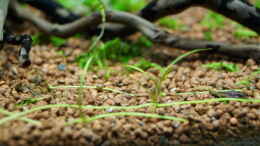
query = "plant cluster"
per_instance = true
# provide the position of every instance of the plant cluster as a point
(119, 50)
(114, 50)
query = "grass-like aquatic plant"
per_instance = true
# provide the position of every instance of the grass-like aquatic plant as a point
(114, 50)
(135, 114)
(7, 113)
(91, 87)
(21, 115)
(248, 80)
(156, 91)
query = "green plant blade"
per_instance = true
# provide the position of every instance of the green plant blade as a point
(135, 114)
(5, 112)
(21, 114)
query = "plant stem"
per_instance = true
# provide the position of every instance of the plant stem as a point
(5, 112)
(21, 114)
(136, 114)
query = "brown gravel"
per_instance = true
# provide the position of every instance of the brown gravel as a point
(208, 123)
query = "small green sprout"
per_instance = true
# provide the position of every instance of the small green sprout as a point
(28, 101)
(222, 66)
(156, 92)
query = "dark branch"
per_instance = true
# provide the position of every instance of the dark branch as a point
(54, 10)
(240, 11)
(3, 12)
(140, 24)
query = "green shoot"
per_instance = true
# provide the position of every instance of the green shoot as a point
(168, 69)
(4, 112)
(28, 101)
(247, 100)
(135, 114)
(222, 66)
(156, 92)
(93, 5)
(45, 107)
(88, 61)
(91, 87)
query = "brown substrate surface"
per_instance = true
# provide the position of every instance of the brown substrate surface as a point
(208, 123)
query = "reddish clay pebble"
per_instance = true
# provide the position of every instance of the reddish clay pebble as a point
(233, 121)
(208, 121)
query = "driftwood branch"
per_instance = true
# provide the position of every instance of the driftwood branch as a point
(240, 11)
(53, 9)
(147, 28)
(3, 12)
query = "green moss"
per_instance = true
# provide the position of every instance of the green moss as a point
(57, 41)
(170, 23)
(222, 66)
(127, 5)
(257, 3)
(242, 32)
(114, 50)
(41, 38)
(248, 80)
(213, 20)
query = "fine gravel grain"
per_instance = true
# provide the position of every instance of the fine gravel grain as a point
(219, 123)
